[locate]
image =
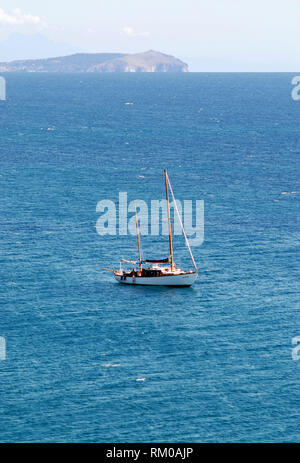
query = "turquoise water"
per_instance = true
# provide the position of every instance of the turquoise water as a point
(216, 357)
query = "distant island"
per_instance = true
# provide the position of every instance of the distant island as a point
(149, 61)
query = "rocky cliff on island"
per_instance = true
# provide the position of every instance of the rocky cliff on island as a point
(149, 61)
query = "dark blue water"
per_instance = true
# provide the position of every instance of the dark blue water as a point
(216, 357)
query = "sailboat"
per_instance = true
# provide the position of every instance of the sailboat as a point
(159, 272)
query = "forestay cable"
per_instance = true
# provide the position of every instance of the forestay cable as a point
(181, 224)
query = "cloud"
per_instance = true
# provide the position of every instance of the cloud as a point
(130, 32)
(18, 18)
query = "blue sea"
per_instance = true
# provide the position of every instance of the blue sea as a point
(215, 359)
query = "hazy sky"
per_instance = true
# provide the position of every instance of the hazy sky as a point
(210, 35)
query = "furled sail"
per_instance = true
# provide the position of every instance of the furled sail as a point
(149, 261)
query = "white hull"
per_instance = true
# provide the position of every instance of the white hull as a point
(186, 279)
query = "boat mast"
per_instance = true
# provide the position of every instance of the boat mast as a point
(181, 224)
(169, 222)
(138, 236)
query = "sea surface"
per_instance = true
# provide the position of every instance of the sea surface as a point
(89, 360)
